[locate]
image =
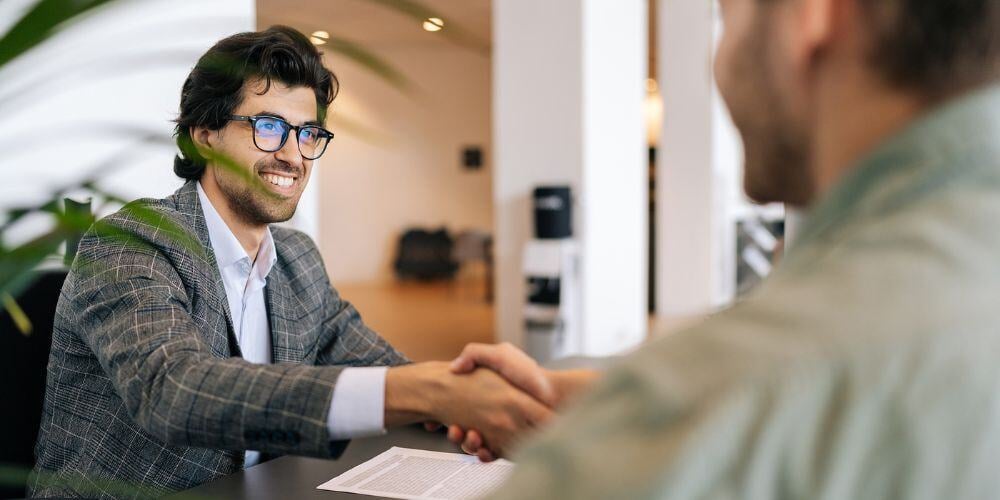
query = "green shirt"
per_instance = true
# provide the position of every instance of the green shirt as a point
(866, 366)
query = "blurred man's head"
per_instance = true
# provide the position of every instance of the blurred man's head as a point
(785, 67)
(251, 119)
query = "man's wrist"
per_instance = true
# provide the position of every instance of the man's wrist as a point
(411, 392)
(568, 383)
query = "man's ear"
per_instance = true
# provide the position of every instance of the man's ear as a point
(818, 23)
(202, 138)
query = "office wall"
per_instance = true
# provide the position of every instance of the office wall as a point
(104, 89)
(404, 169)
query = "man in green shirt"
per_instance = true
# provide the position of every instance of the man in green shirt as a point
(868, 364)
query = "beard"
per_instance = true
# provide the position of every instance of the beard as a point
(253, 201)
(777, 151)
(777, 159)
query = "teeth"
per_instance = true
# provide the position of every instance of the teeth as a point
(278, 180)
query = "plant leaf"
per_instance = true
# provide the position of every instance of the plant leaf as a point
(40, 23)
(17, 314)
(360, 130)
(17, 264)
(370, 61)
(420, 12)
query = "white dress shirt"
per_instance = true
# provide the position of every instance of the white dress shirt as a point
(358, 403)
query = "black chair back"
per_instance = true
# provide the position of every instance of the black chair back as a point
(23, 361)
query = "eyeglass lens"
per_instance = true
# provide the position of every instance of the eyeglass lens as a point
(270, 135)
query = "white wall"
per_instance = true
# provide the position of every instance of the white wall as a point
(569, 80)
(94, 87)
(407, 171)
(537, 97)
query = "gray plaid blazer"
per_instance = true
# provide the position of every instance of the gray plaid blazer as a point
(146, 390)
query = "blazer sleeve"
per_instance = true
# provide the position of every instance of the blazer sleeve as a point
(133, 312)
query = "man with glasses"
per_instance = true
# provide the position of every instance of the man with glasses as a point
(192, 338)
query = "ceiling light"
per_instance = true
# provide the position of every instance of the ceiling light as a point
(651, 85)
(319, 37)
(433, 24)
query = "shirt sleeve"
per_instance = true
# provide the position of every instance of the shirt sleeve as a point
(691, 416)
(357, 408)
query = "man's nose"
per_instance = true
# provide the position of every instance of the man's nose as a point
(289, 152)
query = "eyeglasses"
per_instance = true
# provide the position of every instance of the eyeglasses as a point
(271, 132)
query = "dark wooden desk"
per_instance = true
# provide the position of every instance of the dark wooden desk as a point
(298, 477)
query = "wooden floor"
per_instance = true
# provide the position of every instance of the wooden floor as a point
(425, 321)
(435, 321)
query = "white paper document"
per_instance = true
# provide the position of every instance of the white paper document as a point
(419, 475)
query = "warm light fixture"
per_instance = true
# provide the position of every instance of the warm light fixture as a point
(653, 111)
(319, 37)
(651, 85)
(433, 24)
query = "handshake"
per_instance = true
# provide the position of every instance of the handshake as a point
(490, 396)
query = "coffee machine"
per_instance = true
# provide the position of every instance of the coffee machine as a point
(552, 274)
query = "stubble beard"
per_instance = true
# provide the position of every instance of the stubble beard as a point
(252, 202)
(776, 147)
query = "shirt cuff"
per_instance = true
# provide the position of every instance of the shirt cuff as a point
(357, 408)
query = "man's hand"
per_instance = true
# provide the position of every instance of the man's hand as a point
(480, 400)
(512, 364)
(550, 387)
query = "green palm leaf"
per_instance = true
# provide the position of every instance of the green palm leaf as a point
(40, 23)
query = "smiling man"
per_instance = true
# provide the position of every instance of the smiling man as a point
(193, 338)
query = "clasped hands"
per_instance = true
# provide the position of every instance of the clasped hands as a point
(490, 396)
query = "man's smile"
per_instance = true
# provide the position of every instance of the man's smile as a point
(280, 182)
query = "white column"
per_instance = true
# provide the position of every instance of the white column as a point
(698, 167)
(569, 80)
(614, 201)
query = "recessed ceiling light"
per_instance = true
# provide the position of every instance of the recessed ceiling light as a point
(433, 24)
(319, 37)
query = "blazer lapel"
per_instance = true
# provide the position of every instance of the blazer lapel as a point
(187, 202)
(286, 342)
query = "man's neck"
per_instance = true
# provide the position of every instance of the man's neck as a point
(249, 235)
(854, 117)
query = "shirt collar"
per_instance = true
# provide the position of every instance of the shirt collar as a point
(228, 250)
(921, 157)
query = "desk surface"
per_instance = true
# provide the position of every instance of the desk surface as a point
(298, 477)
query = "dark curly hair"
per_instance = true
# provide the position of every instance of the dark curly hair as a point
(936, 47)
(215, 86)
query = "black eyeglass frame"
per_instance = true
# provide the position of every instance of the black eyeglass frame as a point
(322, 133)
